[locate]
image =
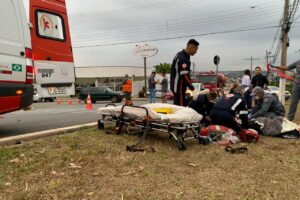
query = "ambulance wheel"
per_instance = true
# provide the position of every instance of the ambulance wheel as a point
(100, 124)
(181, 146)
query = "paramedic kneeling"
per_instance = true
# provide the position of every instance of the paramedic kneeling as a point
(204, 104)
(268, 105)
(226, 109)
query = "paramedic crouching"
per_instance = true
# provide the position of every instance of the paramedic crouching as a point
(203, 105)
(268, 105)
(225, 110)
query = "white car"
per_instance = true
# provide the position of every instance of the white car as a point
(275, 90)
(199, 88)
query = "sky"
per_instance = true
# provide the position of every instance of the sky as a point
(104, 33)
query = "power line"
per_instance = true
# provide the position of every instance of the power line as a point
(234, 13)
(193, 23)
(178, 37)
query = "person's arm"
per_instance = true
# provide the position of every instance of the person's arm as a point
(263, 110)
(184, 74)
(243, 114)
(279, 67)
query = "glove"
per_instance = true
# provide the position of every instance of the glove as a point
(195, 94)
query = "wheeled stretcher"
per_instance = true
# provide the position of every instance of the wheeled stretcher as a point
(174, 120)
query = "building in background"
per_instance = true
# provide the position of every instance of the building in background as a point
(111, 76)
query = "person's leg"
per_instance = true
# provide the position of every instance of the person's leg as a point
(154, 96)
(294, 102)
(176, 99)
(150, 95)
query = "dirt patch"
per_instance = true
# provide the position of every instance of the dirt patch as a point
(89, 164)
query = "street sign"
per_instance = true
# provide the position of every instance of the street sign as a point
(145, 51)
(216, 60)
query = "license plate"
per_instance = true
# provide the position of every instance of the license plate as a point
(57, 90)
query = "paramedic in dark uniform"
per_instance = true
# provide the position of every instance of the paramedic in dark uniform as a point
(180, 72)
(226, 109)
(268, 105)
(203, 105)
(296, 89)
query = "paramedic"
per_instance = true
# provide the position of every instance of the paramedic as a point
(226, 109)
(203, 105)
(180, 72)
(267, 105)
(127, 90)
(296, 89)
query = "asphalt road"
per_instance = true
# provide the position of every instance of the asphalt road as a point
(45, 116)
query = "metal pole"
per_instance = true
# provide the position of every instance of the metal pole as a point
(284, 41)
(217, 71)
(145, 75)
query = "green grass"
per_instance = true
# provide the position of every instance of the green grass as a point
(270, 169)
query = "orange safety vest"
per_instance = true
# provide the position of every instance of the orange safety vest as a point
(127, 86)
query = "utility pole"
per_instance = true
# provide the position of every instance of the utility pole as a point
(284, 44)
(251, 60)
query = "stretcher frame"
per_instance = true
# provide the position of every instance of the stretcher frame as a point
(176, 131)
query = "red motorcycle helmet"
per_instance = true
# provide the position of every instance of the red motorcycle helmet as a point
(249, 135)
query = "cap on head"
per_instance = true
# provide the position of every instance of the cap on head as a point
(256, 90)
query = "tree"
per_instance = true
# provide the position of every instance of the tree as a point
(163, 67)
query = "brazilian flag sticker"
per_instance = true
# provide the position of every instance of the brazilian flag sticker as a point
(17, 67)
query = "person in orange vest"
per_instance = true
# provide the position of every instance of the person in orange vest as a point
(127, 90)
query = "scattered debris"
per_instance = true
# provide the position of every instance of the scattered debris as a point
(7, 184)
(74, 166)
(192, 165)
(16, 160)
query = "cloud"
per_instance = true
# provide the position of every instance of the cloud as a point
(117, 22)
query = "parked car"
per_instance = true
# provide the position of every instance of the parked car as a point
(100, 93)
(275, 90)
(169, 94)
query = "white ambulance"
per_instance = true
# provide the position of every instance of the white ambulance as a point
(16, 67)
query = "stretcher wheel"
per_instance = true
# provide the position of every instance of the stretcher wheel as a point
(181, 146)
(100, 124)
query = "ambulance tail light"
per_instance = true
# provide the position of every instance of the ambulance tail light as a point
(29, 66)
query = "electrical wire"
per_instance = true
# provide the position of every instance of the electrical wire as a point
(183, 36)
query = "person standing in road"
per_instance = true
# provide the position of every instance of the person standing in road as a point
(152, 87)
(164, 87)
(296, 89)
(259, 79)
(246, 82)
(180, 72)
(127, 90)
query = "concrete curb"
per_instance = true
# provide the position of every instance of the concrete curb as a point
(31, 136)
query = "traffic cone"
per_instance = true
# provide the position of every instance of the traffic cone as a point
(58, 100)
(69, 101)
(89, 105)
